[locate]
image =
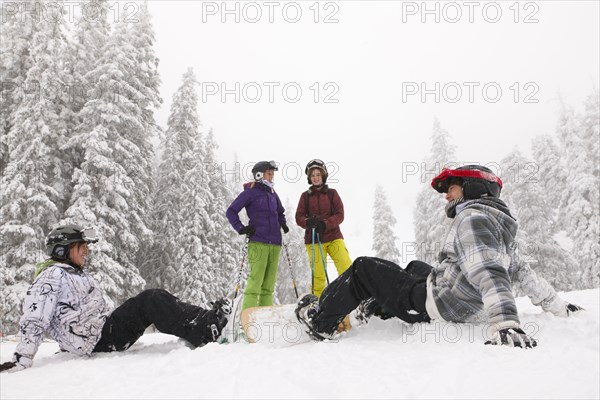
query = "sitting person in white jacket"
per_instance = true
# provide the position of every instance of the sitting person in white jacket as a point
(65, 302)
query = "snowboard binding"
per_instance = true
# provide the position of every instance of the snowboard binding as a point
(306, 310)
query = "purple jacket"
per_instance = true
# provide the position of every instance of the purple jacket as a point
(264, 210)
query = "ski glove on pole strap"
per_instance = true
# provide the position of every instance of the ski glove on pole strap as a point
(316, 223)
(514, 337)
(285, 228)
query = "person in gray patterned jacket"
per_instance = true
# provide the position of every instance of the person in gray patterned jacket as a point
(65, 302)
(473, 282)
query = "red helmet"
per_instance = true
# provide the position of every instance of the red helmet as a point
(476, 180)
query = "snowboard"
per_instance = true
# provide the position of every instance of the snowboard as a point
(278, 326)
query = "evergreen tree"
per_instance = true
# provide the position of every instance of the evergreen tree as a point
(581, 199)
(86, 48)
(222, 238)
(32, 188)
(532, 207)
(15, 61)
(162, 266)
(429, 219)
(114, 175)
(384, 239)
(199, 277)
(145, 81)
(549, 167)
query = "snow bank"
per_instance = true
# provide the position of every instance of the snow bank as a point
(385, 359)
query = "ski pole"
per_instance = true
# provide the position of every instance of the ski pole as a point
(323, 257)
(313, 262)
(239, 279)
(287, 253)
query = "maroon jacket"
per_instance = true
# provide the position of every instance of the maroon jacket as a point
(325, 204)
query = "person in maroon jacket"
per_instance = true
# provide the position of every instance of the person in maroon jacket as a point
(321, 209)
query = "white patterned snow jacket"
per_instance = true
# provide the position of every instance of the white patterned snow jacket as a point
(66, 303)
(479, 265)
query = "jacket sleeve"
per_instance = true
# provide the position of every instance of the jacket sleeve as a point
(334, 220)
(539, 291)
(280, 212)
(39, 308)
(301, 211)
(234, 209)
(482, 259)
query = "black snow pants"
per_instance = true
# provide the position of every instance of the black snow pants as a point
(128, 322)
(397, 291)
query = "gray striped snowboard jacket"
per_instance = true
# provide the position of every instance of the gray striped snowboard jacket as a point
(478, 266)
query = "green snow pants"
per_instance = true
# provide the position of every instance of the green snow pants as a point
(263, 259)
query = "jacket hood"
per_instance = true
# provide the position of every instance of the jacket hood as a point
(497, 209)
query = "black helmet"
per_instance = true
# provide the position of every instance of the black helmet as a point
(477, 181)
(62, 237)
(316, 163)
(260, 167)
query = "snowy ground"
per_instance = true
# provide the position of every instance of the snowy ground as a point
(385, 359)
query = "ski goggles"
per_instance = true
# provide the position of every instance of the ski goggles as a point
(440, 182)
(87, 235)
(314, 163)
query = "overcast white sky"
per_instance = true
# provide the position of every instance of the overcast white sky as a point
(371, 61)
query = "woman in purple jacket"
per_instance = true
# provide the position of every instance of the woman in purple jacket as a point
(266, 218)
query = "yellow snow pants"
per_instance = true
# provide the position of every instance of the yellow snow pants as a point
(338, 253)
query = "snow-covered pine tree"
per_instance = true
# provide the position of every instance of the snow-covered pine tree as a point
(162, 266)
(284, 289)
(429, 219)
(86, 47)
(145, 80)
(15, 60)
(529, 203)
(32, 188)
(384, 239)
(549, 166)
(115, 171)
(222, 239)
(581, 199)
(194, 250)
(136, 94)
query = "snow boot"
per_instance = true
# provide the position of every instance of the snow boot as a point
(306, 310)
(222, 309)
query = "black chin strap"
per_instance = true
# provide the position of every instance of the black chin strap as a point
(451, 207)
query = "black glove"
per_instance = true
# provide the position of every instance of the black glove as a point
(571, 308)
(7, 365)
(514, 337)
(247, 230)
(312, 222)
(320, 228)
(285, 228)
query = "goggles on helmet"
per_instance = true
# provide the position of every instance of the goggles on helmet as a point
(440, 182)
(315, 163)
(86, 235)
